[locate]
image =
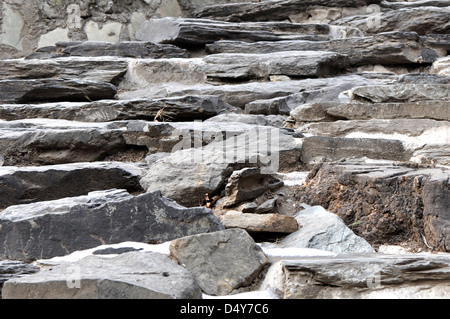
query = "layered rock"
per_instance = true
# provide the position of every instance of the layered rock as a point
(198, 32)
(204, 170)
(423, 20)
(385, 203)
(44, 141)
(132, 49)
(389, 48)
(274, 11)
(183, 108)
(361, 276)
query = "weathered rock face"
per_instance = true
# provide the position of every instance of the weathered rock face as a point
(385, 203)
(204, 171)
(184, 108)
(366, 276)
(49, 229)
(389, 48)
(56, 142)
(342, 104)
(53, 90)
(11, 269)
(220, 261)
(198, 32)
(132, 49)
(34, 184)
(257, 223)
(134, 275)
(273, 11)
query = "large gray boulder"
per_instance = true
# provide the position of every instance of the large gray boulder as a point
(221, 261)
(55, 228)
(133, 275)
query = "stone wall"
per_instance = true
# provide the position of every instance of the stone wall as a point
(29, 25)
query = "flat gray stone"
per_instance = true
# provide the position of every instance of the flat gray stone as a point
(24, 185)
(56, 228)
(423, 20)
(323, 230)
(54, 90)
(133, 275)
(271, 10)
(132, 49)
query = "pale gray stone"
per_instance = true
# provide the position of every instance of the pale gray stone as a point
(133, 275)
(221, 261)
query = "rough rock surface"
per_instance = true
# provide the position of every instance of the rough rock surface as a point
(220, 261)
(367, 276)
(384, 202)
(49, 229)
(244, 112)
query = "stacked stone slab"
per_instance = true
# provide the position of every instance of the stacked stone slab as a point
(144, 124)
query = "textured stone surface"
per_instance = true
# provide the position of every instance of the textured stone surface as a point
(400, 93)
(182, 108)
(271, 10)
(53, 90)
(317, 148)
(385, 203)
(423, 20)
(134, 275)
(392, 48)
(323, 230)
(362, 276)
(56, 228)
(260, 223)
(44, 141)
(23, 185)
(202, 31)
(221, 261)
(205, 170)
(132, 49)
(95, 69)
